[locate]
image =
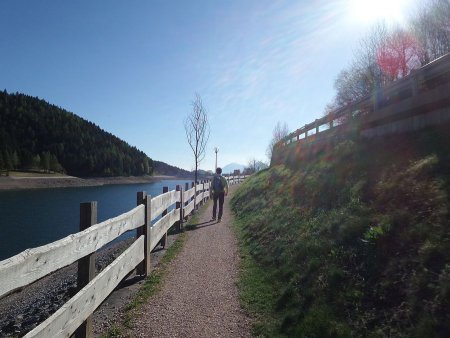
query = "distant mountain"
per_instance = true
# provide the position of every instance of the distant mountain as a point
(230, 168)
(37, 135)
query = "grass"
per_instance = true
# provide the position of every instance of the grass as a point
(153, 283)
(256, 291)
(349, 244)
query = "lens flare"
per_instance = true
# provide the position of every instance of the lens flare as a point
(371, 10)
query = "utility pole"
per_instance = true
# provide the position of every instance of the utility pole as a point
(216, 150)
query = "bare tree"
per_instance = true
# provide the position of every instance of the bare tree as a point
(364, 74)
(279, 132)
(197, 131)
(254, 166)
(431, 25)
(387, 54)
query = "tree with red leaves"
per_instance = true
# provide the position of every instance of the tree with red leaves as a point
(400, 54)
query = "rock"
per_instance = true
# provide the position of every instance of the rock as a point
(30, 322)
(9, 328)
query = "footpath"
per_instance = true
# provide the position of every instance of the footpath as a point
(199, 297)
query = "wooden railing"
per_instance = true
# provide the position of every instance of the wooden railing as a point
(75, 315)
(235, 179)
(424, 90)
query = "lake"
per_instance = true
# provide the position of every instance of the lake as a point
(31, 218)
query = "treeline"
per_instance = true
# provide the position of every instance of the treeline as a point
(390, 53)
(35, 135)
(161, 168)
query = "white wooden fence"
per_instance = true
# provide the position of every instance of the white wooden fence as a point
(235, 179)
(74, 316)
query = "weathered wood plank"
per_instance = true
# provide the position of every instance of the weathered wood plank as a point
(66, 320)
(199, 198)
(163, 202)
(188, 194)
(145, 267)
(86, 265)
(199, 187)
(188, 209)
(32, 264)
(158, 230)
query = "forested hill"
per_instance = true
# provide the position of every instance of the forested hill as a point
(37, 135)
(161, 168)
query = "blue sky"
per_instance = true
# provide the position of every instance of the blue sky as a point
(133, 67)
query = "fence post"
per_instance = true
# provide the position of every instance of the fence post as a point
(144, 267)
(164, 213)
(186, 188)
(86, 265)
(203, 192)
(414, 84)
(195, 195)
(179, 205)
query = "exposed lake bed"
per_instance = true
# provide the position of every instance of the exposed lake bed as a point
(33, 182)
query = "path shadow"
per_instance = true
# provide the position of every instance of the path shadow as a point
(130, 280)
(200, 225)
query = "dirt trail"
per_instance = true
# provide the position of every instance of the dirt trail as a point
(199, 297)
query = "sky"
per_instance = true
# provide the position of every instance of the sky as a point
(134, 67)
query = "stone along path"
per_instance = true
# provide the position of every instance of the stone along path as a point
(199, 297)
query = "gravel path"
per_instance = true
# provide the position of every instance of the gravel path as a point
(199, 297)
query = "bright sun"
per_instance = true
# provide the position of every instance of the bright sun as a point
(372, 10)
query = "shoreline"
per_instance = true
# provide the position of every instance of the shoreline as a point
(25, 183)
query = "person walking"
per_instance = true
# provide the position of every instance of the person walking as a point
(219, 189)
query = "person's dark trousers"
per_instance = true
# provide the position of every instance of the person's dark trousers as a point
(221, 197)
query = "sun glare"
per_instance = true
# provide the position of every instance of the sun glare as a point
(371, 10)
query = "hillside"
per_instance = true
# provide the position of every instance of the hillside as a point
(37, 135)
(161, 168)
(351, 243)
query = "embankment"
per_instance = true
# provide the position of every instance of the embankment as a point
(352, 242)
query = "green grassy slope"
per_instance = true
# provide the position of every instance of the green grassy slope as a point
(354, 243)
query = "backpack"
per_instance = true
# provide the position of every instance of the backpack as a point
(217, 184)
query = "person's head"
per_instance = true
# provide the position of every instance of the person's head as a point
(219, 171)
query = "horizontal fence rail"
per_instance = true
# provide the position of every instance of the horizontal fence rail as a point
(32, 264)
(423, 91)
(72, 314)
(73, 317)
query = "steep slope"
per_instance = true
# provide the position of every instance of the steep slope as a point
(353, 242)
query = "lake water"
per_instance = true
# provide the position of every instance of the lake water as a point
(31, 218)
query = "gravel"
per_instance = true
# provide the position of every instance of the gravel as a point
(23, 310)
(199, 297)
